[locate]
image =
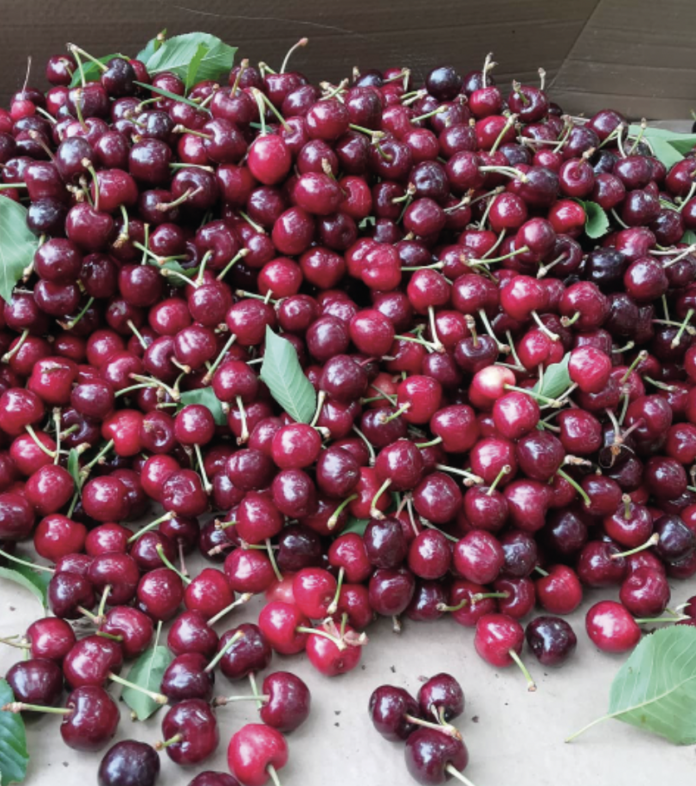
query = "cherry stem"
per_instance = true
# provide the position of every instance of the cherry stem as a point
(104, 635)
(553, 336)
(531, 685)
(165, 560)
(244, 432)
(222, 652)
(241, 600)
(102, 602)
(272, 560)
(150, 526)
(471, 479)
(444, 728)
(211, 371)
(552, 402)
(655, 620)
(374, 512)
(324, 634)
(506, 470)
(568, 321)
(321, 398)
(333, 519)
(449, 537)
(20, 645)
(653, 540)
(207, 485)
(39, 443)
(97, 459)
(333, 606)
(90, 615)
(430, 444)
(368, 445)
(455, 773)
(239, 255)
(489, 329)
(394, 415)
(509, 122)
(675, 341)
(581, 491)
(639, 358)
(15, 349)
(265, 100)
(158, 698)
(177, 738)
(273, 775)
(541, 571)
(434, 112)
(255, 689)
(439, 346)
(19, 706)
(220, 701)
(27, 564)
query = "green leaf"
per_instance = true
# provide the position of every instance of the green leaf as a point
(368, 221)
(14, 757)
(665, 152)
(194, 65)
(74, 467)
(669, 146)
(655, 689)
(596, 220)
(167, 94)
(689, 237)
(147, 673)
(289, 386)
(91, 70)
(177, 53)
(36, 581)
(356, 525)
(208, 399)
(151, 47)
(556, 379)
(17, 245)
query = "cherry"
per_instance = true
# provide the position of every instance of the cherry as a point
(211, 778)
(390, 708)
(36, 681)
(391, 591)
(332, 651)
(187, 677)
(190, 731)
(551, 639)
(498, 640)
(559, 591)
(160, 593)
(286, 702)
(385, 544)
(279, 622)
(645, 593)
(129, 763)
(92, 719)
(429, 555)
(255, 753)
(434, 756)
(68, 593)
(441, 698)
(51, 638)
(133, 629)
(611, 627)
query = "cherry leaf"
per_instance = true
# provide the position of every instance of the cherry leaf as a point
(194, 65)
(662, 138)
(655, 689)
(556, 379)
(596, 220)
(17, 245)
(14, 757)
(36, 581)
(176, 54)
(147, 672)
(356, 525)
(74, 467)
(286, 380)
(689, 237)
(208, 399)
(91, 70)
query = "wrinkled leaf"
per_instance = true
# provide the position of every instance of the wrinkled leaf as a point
(556, 379)
(177, 53)
(17, 245)
(356, 525)
(208, 399)
(147, 673)
(167, 94)
(14, 757)
(655, 689)
(91, 70)
(289, 386)
(194, 65)
(151, 47)
(36, 581)
(596, 220)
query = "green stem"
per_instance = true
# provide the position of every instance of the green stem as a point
(241, 600)
(26, 564)
(581, 491)
(222, 652)
(272, 560)
(531, 685)
(171, 566)
(333, 520)
(158, 698)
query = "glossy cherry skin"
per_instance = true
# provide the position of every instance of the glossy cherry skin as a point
(279, 622)
(388, 708)
(51, 638)
(645, 593)
(551, 639)
(249, 654)
(252, 750)
(134, 628)
(332, 658)
(190, 632)
(36, 681)
(611, 627)
(441, 697)
(129, 763)
(186, 678)
(93, 720)
(194, 720)
(496, 635)
(67, 592)
(560, 592)
(289, 701)
(160, 593)
(429, 753)
(211, 778)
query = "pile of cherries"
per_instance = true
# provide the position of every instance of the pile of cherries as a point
(506, 408)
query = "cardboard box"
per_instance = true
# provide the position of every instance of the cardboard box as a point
(632, 55)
